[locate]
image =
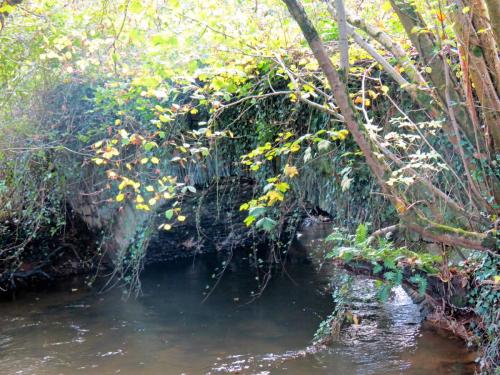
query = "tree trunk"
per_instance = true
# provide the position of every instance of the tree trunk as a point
(379, 168)
(494, 15)
(339, 89)
(431, 57)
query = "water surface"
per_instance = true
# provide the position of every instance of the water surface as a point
(171, 329)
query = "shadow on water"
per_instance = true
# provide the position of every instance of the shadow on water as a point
(170, 330)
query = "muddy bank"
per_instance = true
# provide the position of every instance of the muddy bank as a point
(50, 257)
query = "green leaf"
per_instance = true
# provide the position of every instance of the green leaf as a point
(149, 146)
(283, 187)
(421, 283)
(377, 268)
(361, 234)
(477, 51)
(335, 236)
(390, 276)
(384, 292)
(257, 211)
(266, 224)
(136, 6)
(169, 214)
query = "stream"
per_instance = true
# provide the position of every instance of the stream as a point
(174, 328)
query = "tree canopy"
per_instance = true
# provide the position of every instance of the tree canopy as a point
(411, 88)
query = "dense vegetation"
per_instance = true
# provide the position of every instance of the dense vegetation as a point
(137, 105)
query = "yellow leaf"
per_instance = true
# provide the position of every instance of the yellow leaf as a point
(386, 6)
(118, 122)
(440, 16)
(274, 196)
(98, 161)
(110, 152)
(144, 160)
(120, 197)
(160, 109)
(282, 187)
(7, 8)
(291, 171)
(428, 69)
(384, 89)
(143, 207)
(181, 218)
(343, 134)
(150, 188)
(167, 226)
(164, 118)
(139, 199)
(152, 201)
(294, 147)
(111, 174)
(155, 160)
(249, 220)
(400, 206)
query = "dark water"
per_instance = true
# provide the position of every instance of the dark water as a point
(171, 330)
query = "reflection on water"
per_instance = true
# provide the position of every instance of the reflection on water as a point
(169, 330)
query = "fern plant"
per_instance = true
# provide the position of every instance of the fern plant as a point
(389, 263)
(361, 235)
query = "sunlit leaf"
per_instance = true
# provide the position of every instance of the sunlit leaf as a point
(290, 171)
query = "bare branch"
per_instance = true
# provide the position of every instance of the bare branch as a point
(343, 35)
